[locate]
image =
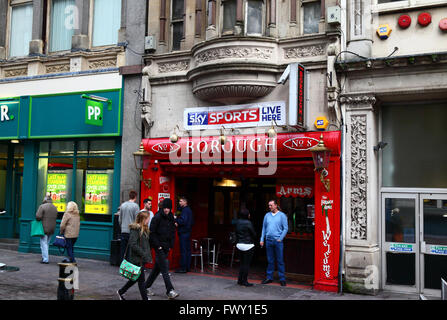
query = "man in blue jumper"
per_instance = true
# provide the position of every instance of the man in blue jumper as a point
(184, 224)
(274, 229)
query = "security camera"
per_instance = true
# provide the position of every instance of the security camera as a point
(380, 145)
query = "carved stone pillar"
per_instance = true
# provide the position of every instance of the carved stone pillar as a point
(361, 214)
(359, 28)
(80, 40)
(36, 43)
(211, 31)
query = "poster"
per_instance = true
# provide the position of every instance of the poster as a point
(97, 192)
(57, 189)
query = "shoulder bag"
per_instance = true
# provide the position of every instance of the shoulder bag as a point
(129, 270)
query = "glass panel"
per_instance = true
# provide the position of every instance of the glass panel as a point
(62, 148)
(311, 17)
(177, 35)
(387, 1)
(400, 269)
(82, 148)
(21, 29)
(229, 15)
(254, 17)
(415, 135)
(3, 172)
(102, 148)
(400, 220)
(63, 22)
(106, 22)
(177, 9)
(44, 149)
(219, 207)
(435, 221)
(435, 269)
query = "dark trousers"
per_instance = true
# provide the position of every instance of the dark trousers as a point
(161, 265)
(141, 285)
(244, 266)
(70, 242)
(124, 241)
(185, 250)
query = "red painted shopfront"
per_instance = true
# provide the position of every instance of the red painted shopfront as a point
(285, 161)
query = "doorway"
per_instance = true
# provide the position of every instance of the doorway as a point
(414, 238)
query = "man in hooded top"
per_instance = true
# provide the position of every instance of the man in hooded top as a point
(47, 213)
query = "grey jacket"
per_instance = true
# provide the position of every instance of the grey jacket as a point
(128, 214)
(47, 213)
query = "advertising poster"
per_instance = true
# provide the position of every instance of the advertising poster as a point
(57, 188)
(97, 192)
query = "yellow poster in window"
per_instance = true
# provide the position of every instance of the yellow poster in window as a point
(57, 189)
(97, 193)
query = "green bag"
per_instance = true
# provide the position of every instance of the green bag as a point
(129, 270)
(37, 229)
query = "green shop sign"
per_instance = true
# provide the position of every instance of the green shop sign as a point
(401, 247)
(9, 115)
(93, 113)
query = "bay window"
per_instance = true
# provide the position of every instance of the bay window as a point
(106, 22)
(20, 29)
(311, 13)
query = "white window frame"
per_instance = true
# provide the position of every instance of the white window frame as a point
(11, 5)
(264, 14)
(301, 16)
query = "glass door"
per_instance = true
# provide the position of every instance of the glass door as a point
(400, 239)
(433, 221)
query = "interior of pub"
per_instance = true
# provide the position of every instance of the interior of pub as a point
(216, 202)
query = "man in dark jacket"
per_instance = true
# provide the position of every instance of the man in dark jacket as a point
(162, 237)
(184, 224)
(47, 213)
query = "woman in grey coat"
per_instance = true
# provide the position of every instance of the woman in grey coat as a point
(138, 252)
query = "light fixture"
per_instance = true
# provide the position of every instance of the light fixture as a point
(321, 156)
(15, 141)
(99, 99)
(272, 132)
(142, 161)
(174, 137)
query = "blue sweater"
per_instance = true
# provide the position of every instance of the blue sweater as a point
(274, 227)
(185, 220)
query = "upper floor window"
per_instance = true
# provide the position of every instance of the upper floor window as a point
(254, 17)
(64, 19)
(177, 11)
(311, 13)
(106, 22)
(229, 15)
(254, 12)
(20, 29)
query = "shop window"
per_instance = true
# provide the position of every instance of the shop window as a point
(177, 23)
(20, 30)
(106, 22)
(3, 172)
(63, 22)
(84, 176)
(413, 133)
(311, 13)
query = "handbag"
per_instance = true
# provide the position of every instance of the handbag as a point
(129, 270)
(60, 242)
(37, 229)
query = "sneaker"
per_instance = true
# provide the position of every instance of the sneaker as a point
(121, 296)
(266, 281)
(150, 292)
(172, 294)
(44, 262)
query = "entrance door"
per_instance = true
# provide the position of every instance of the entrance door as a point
(414, 238)
(400, 239)
(433, 221)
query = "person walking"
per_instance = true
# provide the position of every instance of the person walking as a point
(162, 237)
(127, 216)
(274, 229)
(47, 213)
(184, 223)
(138, 252)
(147, 203)
(245, 239)
(70, 226)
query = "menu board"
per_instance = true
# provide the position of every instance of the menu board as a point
(97, 192)
(57, 189)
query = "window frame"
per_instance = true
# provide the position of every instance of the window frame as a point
(404, 4)
(11, 5)
(48, 32)
(91, 20)
(263, 17)
(301, 16)
(173, 21)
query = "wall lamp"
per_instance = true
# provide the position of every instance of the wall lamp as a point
(98, 99)
(380, 145)
(321, 156)
(174, 137)
(142, 160)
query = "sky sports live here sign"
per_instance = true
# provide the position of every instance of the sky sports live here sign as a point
(236, 116)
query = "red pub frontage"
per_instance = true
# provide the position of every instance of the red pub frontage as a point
(248, 171)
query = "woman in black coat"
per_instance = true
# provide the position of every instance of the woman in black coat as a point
(138, 252)
(245, 239)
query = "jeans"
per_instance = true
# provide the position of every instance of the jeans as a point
(141, 286)
(161, 265)
(185, 251)
(124, 241)
(275, 253)
(70, 248)
(44, 242)
(246, 257)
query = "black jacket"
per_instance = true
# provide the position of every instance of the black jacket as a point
(139, 250)
(162, 231)
(185, 220)
(245, 233)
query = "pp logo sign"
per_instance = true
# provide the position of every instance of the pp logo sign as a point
(93, 113)
(4, 113)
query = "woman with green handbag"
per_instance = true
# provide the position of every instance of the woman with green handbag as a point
(138, 253)
(47, 214)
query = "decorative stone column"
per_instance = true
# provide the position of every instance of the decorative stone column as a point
(80, 40)
(361, 214)
(36, 43)
(360, 28)
(3, 20)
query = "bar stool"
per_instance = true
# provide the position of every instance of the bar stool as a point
(197, 251)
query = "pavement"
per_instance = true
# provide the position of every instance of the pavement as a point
(98, 280)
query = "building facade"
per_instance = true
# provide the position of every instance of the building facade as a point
(393, 97)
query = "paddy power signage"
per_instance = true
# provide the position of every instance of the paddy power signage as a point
(57, 189)
(97, 192)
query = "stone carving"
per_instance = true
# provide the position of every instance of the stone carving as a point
(11, 73)
(358, 177)
(305, 51)
(234, 52)
(57, 68)
(224, 91)
(102, 64)
(366, 99)
(173, 66)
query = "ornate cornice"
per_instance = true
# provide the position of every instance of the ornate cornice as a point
(57, 68)
(238, 52)
(102, 64)
(17, 72)
(305, 51)
(176, 66)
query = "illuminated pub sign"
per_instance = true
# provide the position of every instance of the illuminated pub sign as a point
(300, 93)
